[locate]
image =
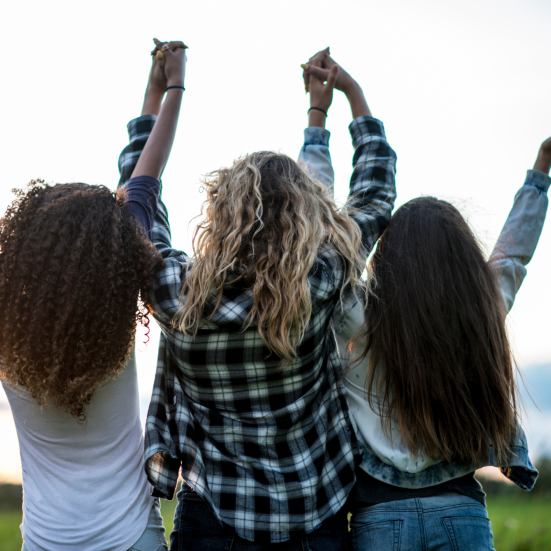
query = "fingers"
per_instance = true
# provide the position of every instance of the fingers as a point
(316, 60)
(175, 44)
(162, 46)
(328, 62)
(174, 58)
(319, 57)
(317, 72)
(333, 75)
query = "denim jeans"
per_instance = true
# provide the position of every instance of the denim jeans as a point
(448, 522)
(152, 538)
(197, 529)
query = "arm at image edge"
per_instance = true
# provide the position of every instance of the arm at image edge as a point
(519, 237)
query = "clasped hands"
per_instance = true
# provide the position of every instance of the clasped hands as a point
(322, 68)
(168, 66)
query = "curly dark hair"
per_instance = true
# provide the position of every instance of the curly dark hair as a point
(75, 272)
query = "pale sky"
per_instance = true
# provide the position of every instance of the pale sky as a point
(463, 89)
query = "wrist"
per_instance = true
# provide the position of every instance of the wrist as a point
(543, 162)
(155, 90)
(357, 102)
(351, 88)
(175, 81)
(316, 118)
(152, 100)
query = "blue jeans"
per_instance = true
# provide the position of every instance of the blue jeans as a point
(448, 522)
(153, 537)
(196, 528)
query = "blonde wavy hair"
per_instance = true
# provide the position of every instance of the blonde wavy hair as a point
(265, 222)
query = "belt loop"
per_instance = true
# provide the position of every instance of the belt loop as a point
(229, 543)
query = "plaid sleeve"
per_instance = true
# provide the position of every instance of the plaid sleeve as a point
(167, 285)
(372, 186)
(139, 130)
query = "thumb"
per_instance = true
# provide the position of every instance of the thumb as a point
(332, 77)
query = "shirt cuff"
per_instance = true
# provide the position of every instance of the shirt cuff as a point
(141, 125)
(538, 179)
(315, 135)
(364, 127)
(142, 196)
(154, 184)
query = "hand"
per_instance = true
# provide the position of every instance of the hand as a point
(319, 66)
(157, 78)
(174, 70)
(543, 162)
(157, 82)
(321, 95)
(172, 45)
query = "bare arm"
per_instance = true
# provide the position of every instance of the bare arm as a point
(157, 149)
(543, 161)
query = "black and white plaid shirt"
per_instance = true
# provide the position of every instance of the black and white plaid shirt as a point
(271, 450)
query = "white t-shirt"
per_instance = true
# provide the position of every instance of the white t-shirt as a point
(84, 485)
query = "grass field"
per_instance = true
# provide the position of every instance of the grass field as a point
(519, 524)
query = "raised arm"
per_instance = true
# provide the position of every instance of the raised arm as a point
(157, 149)
(520, 234)
(151, 138)
(314, 154)
(372, 186)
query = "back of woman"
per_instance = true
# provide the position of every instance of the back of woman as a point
(247, 399)
(85, 486)
(438, 377)
(76, 267)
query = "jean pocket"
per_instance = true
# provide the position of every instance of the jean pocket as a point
(384, 535)
(469, 533)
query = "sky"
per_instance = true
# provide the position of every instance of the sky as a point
(462, 87)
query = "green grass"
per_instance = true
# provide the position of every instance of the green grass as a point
(167, 509)
(519, 524)
(10, 535)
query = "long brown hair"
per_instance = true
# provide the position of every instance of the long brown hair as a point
(73, 264)
(265, 222)
(439, 356)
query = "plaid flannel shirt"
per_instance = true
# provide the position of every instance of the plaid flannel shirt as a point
(271, 450)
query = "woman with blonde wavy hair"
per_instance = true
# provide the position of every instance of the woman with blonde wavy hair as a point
(247, 401)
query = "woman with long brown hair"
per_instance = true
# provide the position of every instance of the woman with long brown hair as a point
(247, 400)
(76, 266)
(432, 388)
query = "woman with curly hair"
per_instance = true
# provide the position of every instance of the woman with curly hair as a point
(76, 265)
(247, 400)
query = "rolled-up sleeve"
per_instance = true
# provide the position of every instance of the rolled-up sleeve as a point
(142, 197)
(315, 158)
(372, 185)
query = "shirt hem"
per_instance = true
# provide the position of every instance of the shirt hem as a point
(127, 544)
